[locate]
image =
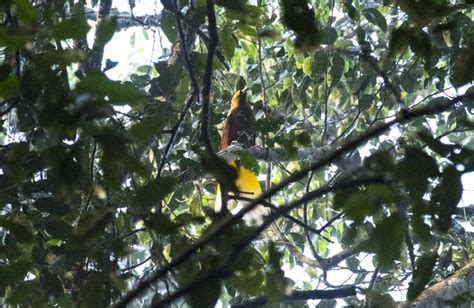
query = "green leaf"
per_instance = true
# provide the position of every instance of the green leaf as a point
(51, 206)
(375, 17)
(307, 65)
(327, 303)
(232, 4)
(9, 87)
(446, 197)
(227, 42)
(161, 224)
(205, 296)
(422, 274)
(94, 289)
(380, 163)
(118, 93)
(275, 282)
(51, 282)
(226, 175)
(248, 276)
(75, 28)
(462, 71)
(20, 226)
(25, 11)
(14, 272)
(337, 69)
(420, 44)
(377, 299)
(168, 26)
(248, 161)
(152, 193)
(26, 293)
(299, 18)
(105, 30)
(92, 224)
(386, 240)
(328, 35)
(62, 57)
(12, 39)
(435, 144)
(147, 127)
(366, 202)
(303, 139)
(418, 40)
(415, 169)
(57, 228)
(421, 229)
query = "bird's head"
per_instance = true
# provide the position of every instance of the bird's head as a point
(239, 98)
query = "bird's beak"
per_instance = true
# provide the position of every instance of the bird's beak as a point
(244, 90)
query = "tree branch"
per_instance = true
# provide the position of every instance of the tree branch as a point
(125, 20)
(450, 291)
(304, 295)
(94, 62)
(276, 154)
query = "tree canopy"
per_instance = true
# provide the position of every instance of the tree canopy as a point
(364, 118)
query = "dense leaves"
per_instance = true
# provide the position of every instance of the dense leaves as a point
(364, 111)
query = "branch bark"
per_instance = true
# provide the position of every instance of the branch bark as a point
(456, 289)
(125, 20)
(304, 295)
(94, 62)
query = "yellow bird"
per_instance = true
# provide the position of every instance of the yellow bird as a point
(239, 127)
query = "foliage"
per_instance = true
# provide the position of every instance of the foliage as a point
(103, 182)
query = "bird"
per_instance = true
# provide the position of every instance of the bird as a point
(239, 127)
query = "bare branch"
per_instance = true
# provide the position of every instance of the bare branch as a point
(125, 20)
(97, 53)
(276, 154)
(304, 295)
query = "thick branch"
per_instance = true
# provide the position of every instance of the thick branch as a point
(125, 20)
(454, 289)
(277, 154)
(304, 295)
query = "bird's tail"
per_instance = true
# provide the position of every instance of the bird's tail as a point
(248, 187)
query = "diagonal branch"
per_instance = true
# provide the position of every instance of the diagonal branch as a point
(304, 295)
